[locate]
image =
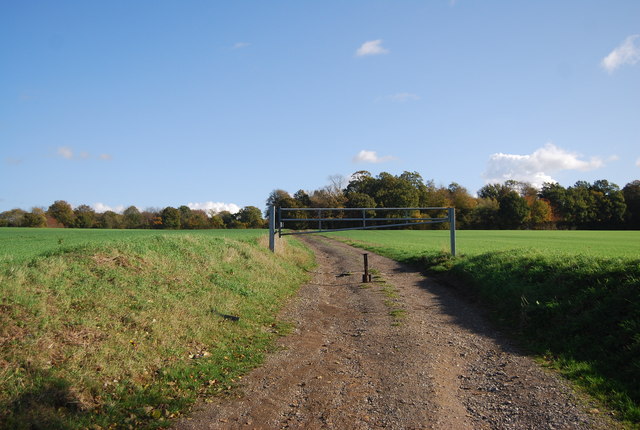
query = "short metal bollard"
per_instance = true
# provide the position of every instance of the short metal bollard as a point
(366, 277)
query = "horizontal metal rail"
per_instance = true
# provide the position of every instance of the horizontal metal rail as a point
(360, 219)
(359, 209)
(370, 227)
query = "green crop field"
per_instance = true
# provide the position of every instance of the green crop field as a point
(572, 298)
(17, 244)
(473, 242)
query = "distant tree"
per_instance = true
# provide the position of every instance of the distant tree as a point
(62, 212)
(35, 218)
(185, 214)
(540, 213)
(250, 216)
(198, 219)
(280, 199)
(361, 182)
(609, 202)
(492, 191)
(215, 220)
(513, 210)
(151, 218)
(170, 218)
(132, 217)
(631, 193)
(109, 219)
(302, 199)
(85, 216)
(227, 218)
(396, 191)
(12, 218)
(463, 202)
(485, 214)
(360, 200)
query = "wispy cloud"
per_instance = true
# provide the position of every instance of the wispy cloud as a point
(215, 206)
(240, 45)
(627, 53)
(371, 47)
(365, 156)
(105, 157)
(65, 152)
(537, 167)
(638, 162)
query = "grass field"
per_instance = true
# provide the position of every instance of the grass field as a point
(22, 243)
(624, 244)
(126, 329)
(571, 297)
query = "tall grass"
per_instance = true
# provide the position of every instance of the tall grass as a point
(130, 333)
(578, 312)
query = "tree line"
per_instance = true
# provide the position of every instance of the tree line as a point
(61, 214)
(509, 205)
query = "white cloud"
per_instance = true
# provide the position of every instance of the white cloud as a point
(65, 152)
(215, 206)
(537, 167)
(365, 156)
(638, 162)
(403, 97)
(101, 207)
(106, 157)
(627, 53)
(240, 45)
(372, 47)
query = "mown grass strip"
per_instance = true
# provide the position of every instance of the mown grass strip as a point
(130, 333)
(579, 313)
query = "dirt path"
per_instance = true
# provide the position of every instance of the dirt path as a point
(351, 365)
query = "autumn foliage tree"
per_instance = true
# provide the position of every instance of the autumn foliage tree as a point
(62, 212)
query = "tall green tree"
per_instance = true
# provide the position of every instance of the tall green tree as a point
(610, 204)
(513, 210)
(463, 202)
(12, 218)
(109, 219)
(631, 193)
(132, 217)
(250, 216)
(170, 218)
(35, 218)
(85, 216)
(62, 212)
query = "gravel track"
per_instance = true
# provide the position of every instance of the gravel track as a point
(435, 364)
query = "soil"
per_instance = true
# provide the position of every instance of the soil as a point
(401, 352)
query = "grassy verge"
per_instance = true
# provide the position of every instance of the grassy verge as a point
(580, 314)
(131, 333)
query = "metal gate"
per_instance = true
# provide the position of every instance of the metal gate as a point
(366, 218)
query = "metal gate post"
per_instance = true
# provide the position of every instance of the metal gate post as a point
(272, 228)
(452, 230)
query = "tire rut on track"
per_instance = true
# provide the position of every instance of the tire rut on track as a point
(349, 364)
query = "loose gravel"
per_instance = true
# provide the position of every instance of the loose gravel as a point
(402, 352)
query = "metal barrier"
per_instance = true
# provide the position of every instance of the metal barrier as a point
(368, 223)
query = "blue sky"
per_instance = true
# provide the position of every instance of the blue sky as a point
(215, 104)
